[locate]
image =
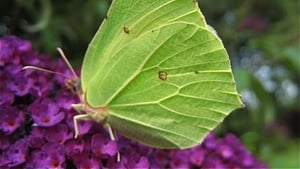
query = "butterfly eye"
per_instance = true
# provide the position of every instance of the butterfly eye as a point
(69, 83)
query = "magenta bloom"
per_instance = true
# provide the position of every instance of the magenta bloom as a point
(37, 139)
(11, 48)
(45, 112)
(20, 85)
(74, 147)
(11, 119)
(51, 155)
(15, 154)
(180, 159)
(132, 161)
(58, 133)
(101, 145)
(87, 161)
(197, 157)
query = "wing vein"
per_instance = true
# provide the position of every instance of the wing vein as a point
(156, 128)
(138, 70)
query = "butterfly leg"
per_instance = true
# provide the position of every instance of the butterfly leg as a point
(113, 138)
(78, 107)
(75, 121)
(110, 132)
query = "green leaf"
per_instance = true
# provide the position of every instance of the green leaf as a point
(160, 73)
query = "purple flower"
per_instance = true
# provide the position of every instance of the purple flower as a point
(15, 154)
(130, 161)
(11, 119)
(5, 141)
(65, 99)
(101, 145)
(135, 161)
(51, 156)
(58, 133)
(13, 69)
(74, 147)
(225, 150)
(140, 162)
(20, 85)
(41, 86)
(6, 95)
(87, 161)
(37, 137)
(45, 112)
(248, 160)
(180, 159)
(213, 161)
(11, 48)
(210, 142)
(160, 158)
(197, 157)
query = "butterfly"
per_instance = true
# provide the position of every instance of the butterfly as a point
(155, 72)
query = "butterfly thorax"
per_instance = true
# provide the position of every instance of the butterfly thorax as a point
(98, 114)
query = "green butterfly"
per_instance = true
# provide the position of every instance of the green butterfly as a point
(157, 73)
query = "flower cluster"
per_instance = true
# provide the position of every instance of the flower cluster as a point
(36, 126)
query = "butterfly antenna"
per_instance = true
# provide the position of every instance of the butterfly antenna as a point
(43, 70)
(60, 51)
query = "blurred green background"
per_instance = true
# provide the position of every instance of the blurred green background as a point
(261, 36)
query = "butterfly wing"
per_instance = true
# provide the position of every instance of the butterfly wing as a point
(161, 71)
